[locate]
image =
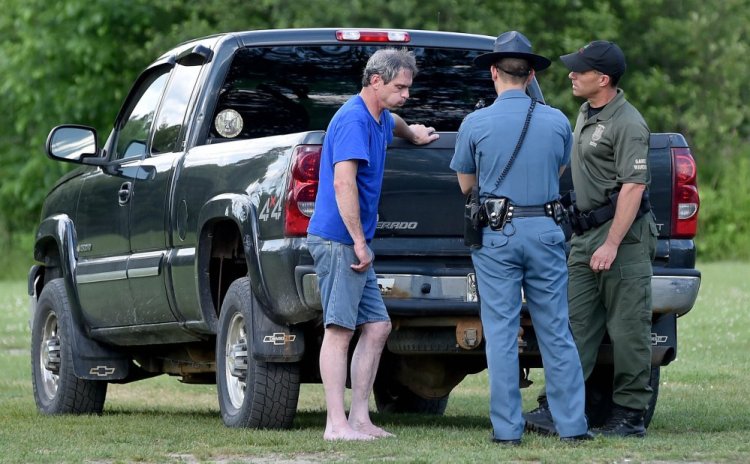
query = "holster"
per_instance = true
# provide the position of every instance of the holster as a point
(474, 219)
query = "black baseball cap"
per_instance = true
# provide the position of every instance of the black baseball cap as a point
(599, 55)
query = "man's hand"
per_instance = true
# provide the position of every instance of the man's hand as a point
(603, 257)
(628, 203)
(422, 134)
(364, 255)
(417, 134)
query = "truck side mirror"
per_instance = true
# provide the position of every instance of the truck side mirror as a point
(74, 144)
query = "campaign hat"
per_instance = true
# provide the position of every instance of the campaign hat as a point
(512, 44)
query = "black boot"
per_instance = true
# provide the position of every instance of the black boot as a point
(539, 420)
(623, 422)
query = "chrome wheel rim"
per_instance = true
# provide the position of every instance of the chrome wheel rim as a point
(49, 356)
(235, 370)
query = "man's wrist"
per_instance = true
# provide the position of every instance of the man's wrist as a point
(612, 242)
(360, 242)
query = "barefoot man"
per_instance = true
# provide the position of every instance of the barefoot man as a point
(341, 228)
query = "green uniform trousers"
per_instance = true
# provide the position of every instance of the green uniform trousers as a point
(617, 301)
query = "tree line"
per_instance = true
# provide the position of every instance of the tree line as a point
(75, 60)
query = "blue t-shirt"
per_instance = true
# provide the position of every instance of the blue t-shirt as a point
(353, 134)
(490, 135)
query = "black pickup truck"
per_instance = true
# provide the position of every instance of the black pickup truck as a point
(177, 246)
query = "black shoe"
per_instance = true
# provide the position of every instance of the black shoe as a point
(516, 442)
(539, 420)
(623, 422)
(578, 438)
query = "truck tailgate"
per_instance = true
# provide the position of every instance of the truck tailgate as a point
(420, 196)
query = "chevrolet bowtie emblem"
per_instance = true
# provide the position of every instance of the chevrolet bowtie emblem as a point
(102, 371)
(279, 338)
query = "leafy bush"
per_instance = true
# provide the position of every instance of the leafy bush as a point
(74, 61)
(724, 218)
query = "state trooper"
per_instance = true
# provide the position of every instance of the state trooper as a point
(516, 150)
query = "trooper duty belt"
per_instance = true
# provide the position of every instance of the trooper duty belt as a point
(500, 211)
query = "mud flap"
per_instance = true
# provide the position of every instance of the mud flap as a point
(94, 361)
(664, 340)
(274, 342)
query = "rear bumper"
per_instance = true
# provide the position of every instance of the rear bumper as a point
(448, 291)
(674, 291)
(411, 293)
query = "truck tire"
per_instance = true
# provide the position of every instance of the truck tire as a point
(252, 394)
(599, 394)
(56, 388)
(392, 397)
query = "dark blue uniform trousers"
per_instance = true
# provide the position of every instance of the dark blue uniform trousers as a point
(530, 254)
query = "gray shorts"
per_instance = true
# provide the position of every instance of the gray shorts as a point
(349, 298)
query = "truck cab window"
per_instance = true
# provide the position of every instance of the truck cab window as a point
(168, 131)
(136, 123)
(282, 90)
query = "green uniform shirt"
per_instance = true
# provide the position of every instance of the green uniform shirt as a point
(610, 149)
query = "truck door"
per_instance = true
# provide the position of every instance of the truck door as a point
(150, 222)
(103, 225)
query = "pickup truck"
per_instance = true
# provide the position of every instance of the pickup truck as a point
(177, 245)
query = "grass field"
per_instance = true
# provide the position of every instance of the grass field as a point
(703, 413)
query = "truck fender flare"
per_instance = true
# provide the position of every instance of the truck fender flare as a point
(59, 228)
(91, 359)
(241, 210)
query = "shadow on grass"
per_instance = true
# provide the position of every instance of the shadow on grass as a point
(317, 420)
(161, 411)
(307, 420)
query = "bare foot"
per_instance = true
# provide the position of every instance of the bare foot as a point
(346, 434)
(372, 430)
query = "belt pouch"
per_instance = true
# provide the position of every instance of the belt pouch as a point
(497, 212)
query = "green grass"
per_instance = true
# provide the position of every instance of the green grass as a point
(16, 254)
(703, 413)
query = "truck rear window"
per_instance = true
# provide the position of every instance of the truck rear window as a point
(282, 90)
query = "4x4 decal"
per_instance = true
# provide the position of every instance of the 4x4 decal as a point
(271, 209)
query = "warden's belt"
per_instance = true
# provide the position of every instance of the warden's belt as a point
(582, 221)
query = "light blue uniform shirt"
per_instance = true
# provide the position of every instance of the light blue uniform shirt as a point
(489, 136)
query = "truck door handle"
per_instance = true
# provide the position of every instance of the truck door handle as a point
(123, 195)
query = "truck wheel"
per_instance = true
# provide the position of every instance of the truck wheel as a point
(392, 397)
(251, 393)
(599, 394)
(56, 388)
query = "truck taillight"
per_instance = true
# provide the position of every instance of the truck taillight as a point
(303, 187)
(685, 200)
(357, 35)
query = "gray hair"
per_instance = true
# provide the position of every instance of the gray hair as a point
(387, 63)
